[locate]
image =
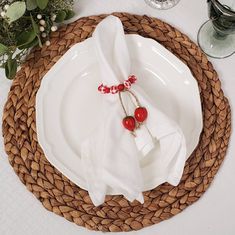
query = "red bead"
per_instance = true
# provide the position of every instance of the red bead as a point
(132, 79)
(121, 87)
(106, 90)
(100, 87)
(102, 90)
(141, 114)
(129, 123)
(113, 89)
(127, 84)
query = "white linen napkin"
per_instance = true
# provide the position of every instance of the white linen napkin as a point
(110, 155)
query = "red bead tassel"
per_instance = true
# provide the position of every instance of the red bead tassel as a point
(140, 115)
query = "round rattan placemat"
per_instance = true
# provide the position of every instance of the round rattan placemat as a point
(61, 196)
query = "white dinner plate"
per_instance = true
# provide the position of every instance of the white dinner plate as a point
(63, 119)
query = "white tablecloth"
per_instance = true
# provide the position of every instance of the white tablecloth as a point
(22, 214)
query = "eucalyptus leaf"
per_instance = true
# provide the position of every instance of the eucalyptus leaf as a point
(25, 38)
(30, 45)
(42, 4)
(36, 31)
(60, 16)
(11, 68)
(69, 14)
(3, 49)
(31, 4)
(34, 24)
(15, 11)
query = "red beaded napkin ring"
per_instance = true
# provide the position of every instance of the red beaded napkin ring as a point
(131, 123)
(118, 88)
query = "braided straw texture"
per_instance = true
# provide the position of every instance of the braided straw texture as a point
(56, 192)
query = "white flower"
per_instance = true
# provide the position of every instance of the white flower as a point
(3, 14)
(6, 7)
(41, 28)
(48, 43)
(54, 28)
(39, 16)
(44, 35)
(42, 22)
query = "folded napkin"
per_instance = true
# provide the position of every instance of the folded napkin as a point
(111, 155)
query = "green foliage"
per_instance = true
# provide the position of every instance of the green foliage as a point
(31, 44)
(42, 4)
(20, 28)
(69, 14)
(60, 17)
(34, 25)
(26, 37)
(31, 4)
(10, 68)
(3, 49)
(64, 15)
(15, 11)
(36, 31)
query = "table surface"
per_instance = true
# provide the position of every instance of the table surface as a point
(22, 214)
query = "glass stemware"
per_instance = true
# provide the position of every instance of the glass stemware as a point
(162, 4)
(216, 37)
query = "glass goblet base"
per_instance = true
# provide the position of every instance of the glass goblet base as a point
(162, 4)
(214, 44)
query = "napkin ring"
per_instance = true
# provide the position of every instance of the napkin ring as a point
(126, 85)
(130, 123)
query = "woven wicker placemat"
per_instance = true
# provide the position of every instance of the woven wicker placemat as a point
(61, 196)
